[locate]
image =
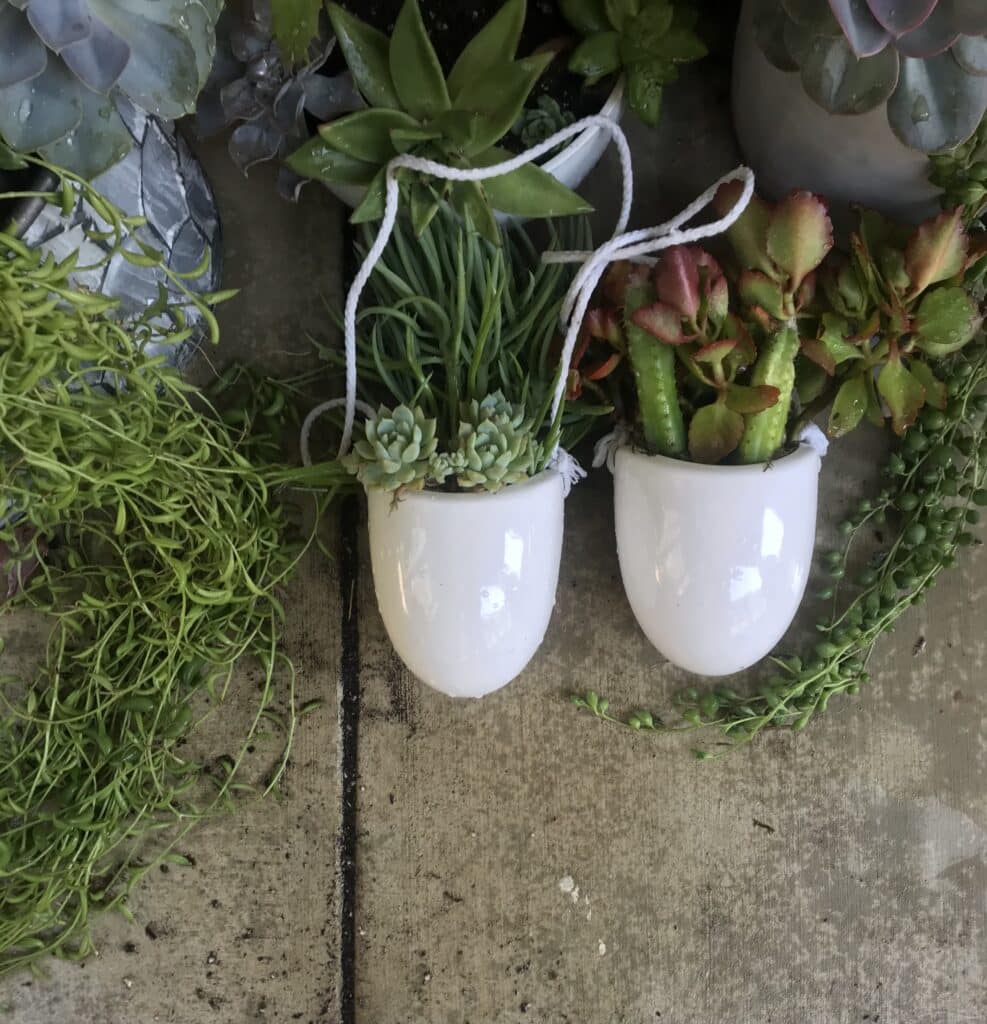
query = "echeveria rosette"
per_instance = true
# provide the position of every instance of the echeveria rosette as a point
(268, 98)
(643, 39)
(397, 450)
(926, 59)
(457, 120)
(496, 447)
(65, 61)
(902, 303)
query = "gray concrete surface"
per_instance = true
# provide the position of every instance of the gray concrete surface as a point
(518, 862)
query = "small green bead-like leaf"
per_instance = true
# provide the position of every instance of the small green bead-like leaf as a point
(415, 68)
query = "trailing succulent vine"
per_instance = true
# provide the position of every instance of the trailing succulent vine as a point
(145, 528)
(894, 329)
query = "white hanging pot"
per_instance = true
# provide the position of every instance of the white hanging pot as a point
(715, 559)
(791, 142)
(466, 582)
(569, 166)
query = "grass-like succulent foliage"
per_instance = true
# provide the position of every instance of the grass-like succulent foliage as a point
(645, 40)
(464, 335)
(457, 119)
(926, 59)
(64, 63)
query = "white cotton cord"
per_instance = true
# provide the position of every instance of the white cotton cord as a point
(319, 410)
(438, 170)
(605, 450)
(636, 245)
(567, 466)
(813, 437)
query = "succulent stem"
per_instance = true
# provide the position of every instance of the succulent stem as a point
(653, 363)
(764, 432)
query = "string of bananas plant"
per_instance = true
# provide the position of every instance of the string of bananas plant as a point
(159, 547)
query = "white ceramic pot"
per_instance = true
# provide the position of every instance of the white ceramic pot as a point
(570, 165)
(715, 559)
(466, 582)
(791, 142)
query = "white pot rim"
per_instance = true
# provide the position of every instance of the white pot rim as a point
(612, 108)
(545, 479)
(789, 462)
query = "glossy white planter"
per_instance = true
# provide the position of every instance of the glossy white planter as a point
(570, 165)
(715, 559)
(791, 142)
(466, 582)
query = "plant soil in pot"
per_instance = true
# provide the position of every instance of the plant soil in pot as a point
(466, 582)
(715, 559)
(852, 108)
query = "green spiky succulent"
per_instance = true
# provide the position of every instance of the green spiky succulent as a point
(496, 446)
(397, 450)
(64, 64)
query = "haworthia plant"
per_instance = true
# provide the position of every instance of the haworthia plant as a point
(456, 119)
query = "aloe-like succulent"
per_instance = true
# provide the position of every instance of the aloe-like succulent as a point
(64, 62)
(926, 59)
(266, 96)
(900, 303)
(496, 446)
(456, 119)
(397, 450)
(645, 40)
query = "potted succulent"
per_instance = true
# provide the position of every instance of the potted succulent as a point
(849, 99)
(639, 40)
(67, 66)
(726, 372)
(457, 356)
(460, 116)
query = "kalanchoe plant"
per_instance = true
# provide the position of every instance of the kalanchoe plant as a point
(457, 119)
(267, 97)
(64, 64)
(645, 40)
(900, 303)
(714, 366)
(926, 59)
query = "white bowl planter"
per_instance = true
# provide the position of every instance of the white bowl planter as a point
(570, 165)
(715, 559)
(791, 142)
(466, 582)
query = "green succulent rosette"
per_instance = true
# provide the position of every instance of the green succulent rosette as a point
(398, 450)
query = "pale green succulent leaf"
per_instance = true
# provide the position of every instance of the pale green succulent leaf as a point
(40, 111)
(644, 91)
(849, 406)
(317, 159)
(469, 200)
(586, 16)
(96, 144)
(620, 12)
(24, 55)
(366, 134)
(295, 25)
(596, 56)
(528, 191)
(494, 44)
(937, 104)
(371, 207)
(902, 392)
(499, 99)
(843, 83)
(415, 68)
(366, 51)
